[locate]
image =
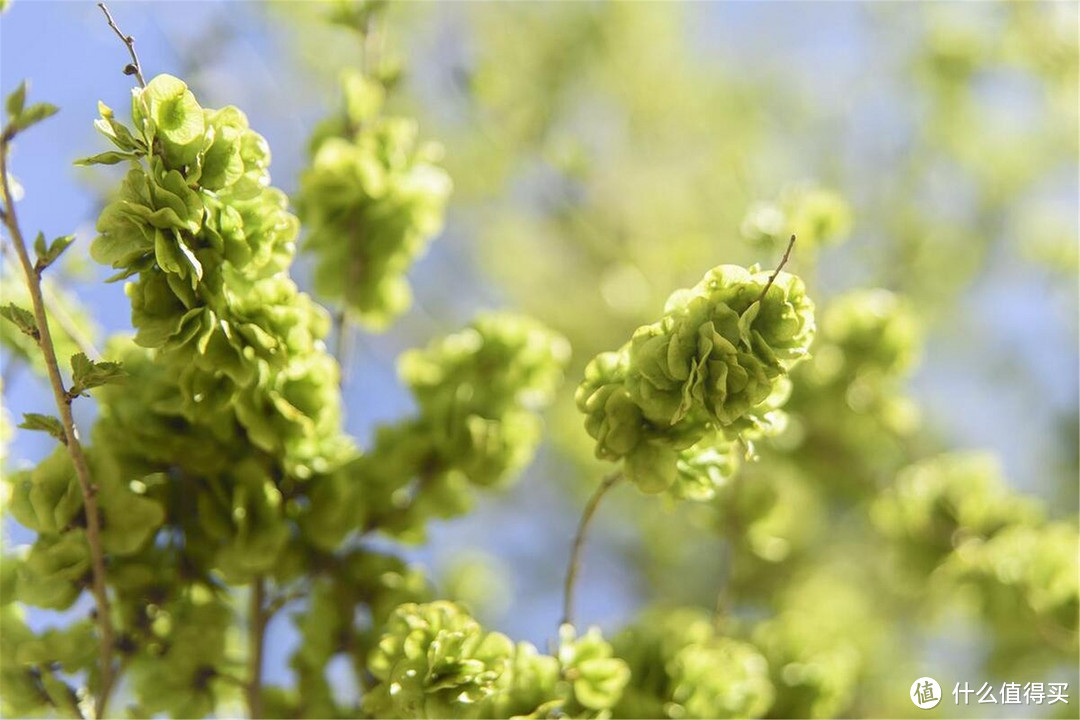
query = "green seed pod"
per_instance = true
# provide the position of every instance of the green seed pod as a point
(680, 668)
(713, 367)
(434, 661)
(596, 678)
(371, 199)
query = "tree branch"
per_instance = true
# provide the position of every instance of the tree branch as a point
(134, 68)
(574, 566)
(257, 619)
(78, 458)
(783, 262)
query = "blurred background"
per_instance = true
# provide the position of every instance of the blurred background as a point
(604, 155)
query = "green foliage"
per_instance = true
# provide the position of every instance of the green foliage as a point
(48, 254)
(87, 374)
(371, 200)
(941, 502)
(681, 667)
(44, 423)
(477, 392)
(436, 661)
(714, 365)
(433, 661)
(831, 528)
(21, 116)
(816, 646)
(69, 324)
(21, 318)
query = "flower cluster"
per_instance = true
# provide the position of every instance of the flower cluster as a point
(849, 399)
(939, 503)
(954, 519)
(681, 668)
(371, 200)
(477, 392)
(434, 660)
(819, 644)
(714, 367)
(231, 413)
(209, 241)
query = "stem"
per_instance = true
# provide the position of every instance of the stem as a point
(257, 619)
(725, 597)
(579, 542)
(783, 262)
(134, 68)
(78, 459)
(342, 344)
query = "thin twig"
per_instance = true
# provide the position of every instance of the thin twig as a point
(134, 68)
(579, 541)
(257, 619)
(776, 272)
(78, 458)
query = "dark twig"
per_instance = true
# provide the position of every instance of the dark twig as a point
(579, 542)
(783, 262)
(134, 68)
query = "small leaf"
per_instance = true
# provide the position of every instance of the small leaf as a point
(106, 158)
(22, 318)
(88, 374)
(33, 115)
(44, 423)
(16, 101)
(47, 256)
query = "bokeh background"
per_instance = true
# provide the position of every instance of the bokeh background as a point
(606, 154)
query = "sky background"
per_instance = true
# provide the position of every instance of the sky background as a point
(1014, 315)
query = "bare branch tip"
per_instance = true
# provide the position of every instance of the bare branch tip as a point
(133, 68)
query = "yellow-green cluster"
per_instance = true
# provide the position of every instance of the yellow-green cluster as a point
(477, 392)
(434, 660)
(371, 200)
(682, 668)
(712, 369)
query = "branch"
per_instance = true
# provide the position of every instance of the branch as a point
(78, 459)
(579, 542)
(783, 262)
(134, 68)
(257, 619)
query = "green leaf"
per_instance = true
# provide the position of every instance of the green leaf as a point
(88, 374)
(22, 318)
(106, 158)
(16, 101)
(33, 115)
(44, 423)
(48, 255)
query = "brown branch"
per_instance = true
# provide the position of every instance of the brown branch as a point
(574, 566)
(71, 436)
(257, 620)
(776, 272)
(134, 68)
